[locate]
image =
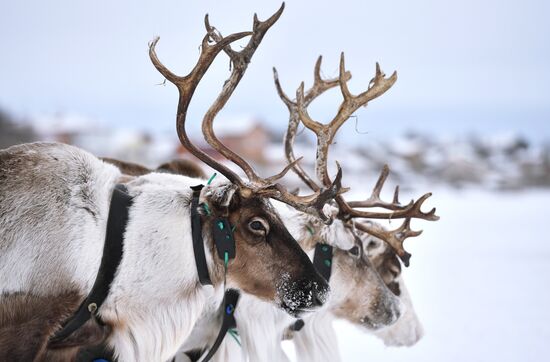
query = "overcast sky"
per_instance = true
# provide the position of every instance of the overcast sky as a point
(463, 65)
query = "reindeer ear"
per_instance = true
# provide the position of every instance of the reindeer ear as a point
(223, 196)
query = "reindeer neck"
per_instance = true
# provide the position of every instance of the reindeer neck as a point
(317, 341)
(157, 276)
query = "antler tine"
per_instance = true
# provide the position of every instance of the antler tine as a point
(321, 85)
(395, 238)
(396, 195)
(375, 201)
(186, 86)
(286, 100)
(290, 135)
(412, 210)
(377, 86)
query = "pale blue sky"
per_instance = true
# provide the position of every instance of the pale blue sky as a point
(463, 65)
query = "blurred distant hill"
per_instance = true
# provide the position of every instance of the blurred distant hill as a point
(499, 161)
(12, 132)
(494, 161)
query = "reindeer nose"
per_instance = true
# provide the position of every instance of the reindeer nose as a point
(393, 310)
(385, 314)
(392, 314)
(318, 299)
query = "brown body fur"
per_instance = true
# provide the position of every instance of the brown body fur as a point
(27, 322)
(176, 166)
(182, 167)
(127, 168)
(389, 268)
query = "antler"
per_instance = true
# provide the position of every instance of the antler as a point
(394, 238)
(325, 134)
(320, 86)
(398, 211)
(186, 86)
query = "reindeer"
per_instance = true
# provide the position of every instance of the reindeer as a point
(359, 295)
(54, 205)
(408, 329)
(317, 342)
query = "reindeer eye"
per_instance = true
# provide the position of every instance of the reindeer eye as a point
(373, 244)
(354, 251)
(258, 226)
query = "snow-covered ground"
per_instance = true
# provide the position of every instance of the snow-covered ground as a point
(480, 282)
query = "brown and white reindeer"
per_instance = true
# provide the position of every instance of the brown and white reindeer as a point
(408, 329)
(54, 206)
(317, 340)
(358, 295)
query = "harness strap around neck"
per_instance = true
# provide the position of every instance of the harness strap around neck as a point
(198, 243)
(230, 300)
(322, 261)
(112, 255)
(298, 325)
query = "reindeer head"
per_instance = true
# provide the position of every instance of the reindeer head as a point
(268, 261)
(359, 294)
(408, 329)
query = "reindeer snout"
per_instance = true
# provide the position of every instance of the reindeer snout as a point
(392, 312)
(384, 313)
(303, 296)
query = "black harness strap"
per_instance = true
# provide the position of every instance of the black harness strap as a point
(222, 234)
(198, 244)
(112, 255)
(298, 325)
(322, 260)
(230, 299)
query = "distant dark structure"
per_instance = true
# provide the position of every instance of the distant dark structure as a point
(177, 166)
(11, 133)
(182, 167)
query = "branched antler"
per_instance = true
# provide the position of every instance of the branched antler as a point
(320, 86)
(325, 134)
(212, 44)
(394, 238)
(398, 211)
